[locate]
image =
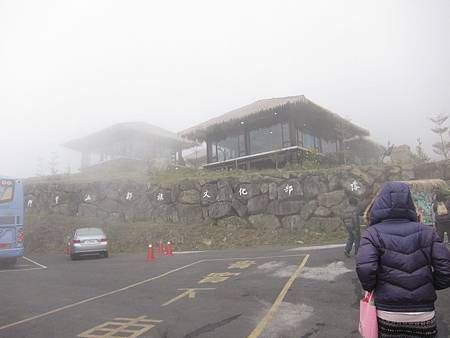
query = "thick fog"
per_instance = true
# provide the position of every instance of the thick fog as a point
(69, 68)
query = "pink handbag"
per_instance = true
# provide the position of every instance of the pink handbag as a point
(368, 323)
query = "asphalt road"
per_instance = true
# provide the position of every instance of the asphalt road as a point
(265, 292)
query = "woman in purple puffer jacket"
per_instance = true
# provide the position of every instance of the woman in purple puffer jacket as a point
(405, 262)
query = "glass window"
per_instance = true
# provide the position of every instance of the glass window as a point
(318, 143)
(329, 147)
(285, 135)
(308, 140)
(213, 152)
(299, 137)
(220, 153)
(6, 190)
(242, 148)
(228, 148)
(265, 139)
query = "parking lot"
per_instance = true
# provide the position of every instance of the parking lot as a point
(266, 292)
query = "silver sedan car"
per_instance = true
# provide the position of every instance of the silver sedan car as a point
(87, 241)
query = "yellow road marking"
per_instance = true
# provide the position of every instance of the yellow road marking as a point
(191, 293)
(257, 257)
(96, 297)
(218, 277)
(132, 327)
(263, 323)
(69, 306)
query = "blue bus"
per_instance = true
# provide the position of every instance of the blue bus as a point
(11, 220)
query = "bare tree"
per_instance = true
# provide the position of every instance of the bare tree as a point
(420, 154)
(387, 151)
(40, 167)
(68, 170)
(442, 147)
(53, 163)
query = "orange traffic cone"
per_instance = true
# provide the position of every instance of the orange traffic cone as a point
(150, 255)
(169, 249)
(161, 248)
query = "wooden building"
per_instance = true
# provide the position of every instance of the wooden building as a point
(362, 150)
(273, 132)
(133, 141)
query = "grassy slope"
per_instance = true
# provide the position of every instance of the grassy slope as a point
(169, 176)
(48, 232)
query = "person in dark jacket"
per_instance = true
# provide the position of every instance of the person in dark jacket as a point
(352, 222)
(404, 262)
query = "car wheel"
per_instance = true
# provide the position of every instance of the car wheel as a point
(73, 257)
(12, 261)
(105, 254)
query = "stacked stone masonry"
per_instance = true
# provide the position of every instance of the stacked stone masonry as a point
(292, 200)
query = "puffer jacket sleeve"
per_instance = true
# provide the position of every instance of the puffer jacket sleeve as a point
(440, 260)
(367, 262)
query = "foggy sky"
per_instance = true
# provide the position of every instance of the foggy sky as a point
(69, 68)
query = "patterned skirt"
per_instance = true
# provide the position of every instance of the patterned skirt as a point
(387, 329)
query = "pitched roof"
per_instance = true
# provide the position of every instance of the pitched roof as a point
(148, 128)
(105, 135)
(258, 107)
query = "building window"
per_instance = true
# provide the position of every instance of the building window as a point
(329, 147)
(309, 140)
(213, 152)
(299, 137)
(266, 139)
(285, 135)
(318, 144)
(228, 148)
(242, 148)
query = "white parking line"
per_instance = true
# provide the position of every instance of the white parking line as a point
(97, 297)
(317, 247)
(128, 287)
(34, 262)
(186, 252)
(24, 267)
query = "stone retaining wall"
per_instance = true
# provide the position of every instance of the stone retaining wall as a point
(288, 200)
(439, 170)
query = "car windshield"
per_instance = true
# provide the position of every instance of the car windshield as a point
(89, 232)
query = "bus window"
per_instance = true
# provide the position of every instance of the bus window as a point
(6, 191)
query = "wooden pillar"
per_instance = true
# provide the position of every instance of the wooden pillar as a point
(292, 131)
(247, 141)
(180, 156)
(341, 151)
(85, 159)
(208, 150)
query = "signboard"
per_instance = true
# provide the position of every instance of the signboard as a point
(424, 205)
(422, 192)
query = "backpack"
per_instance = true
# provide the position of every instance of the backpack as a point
(351, 218)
